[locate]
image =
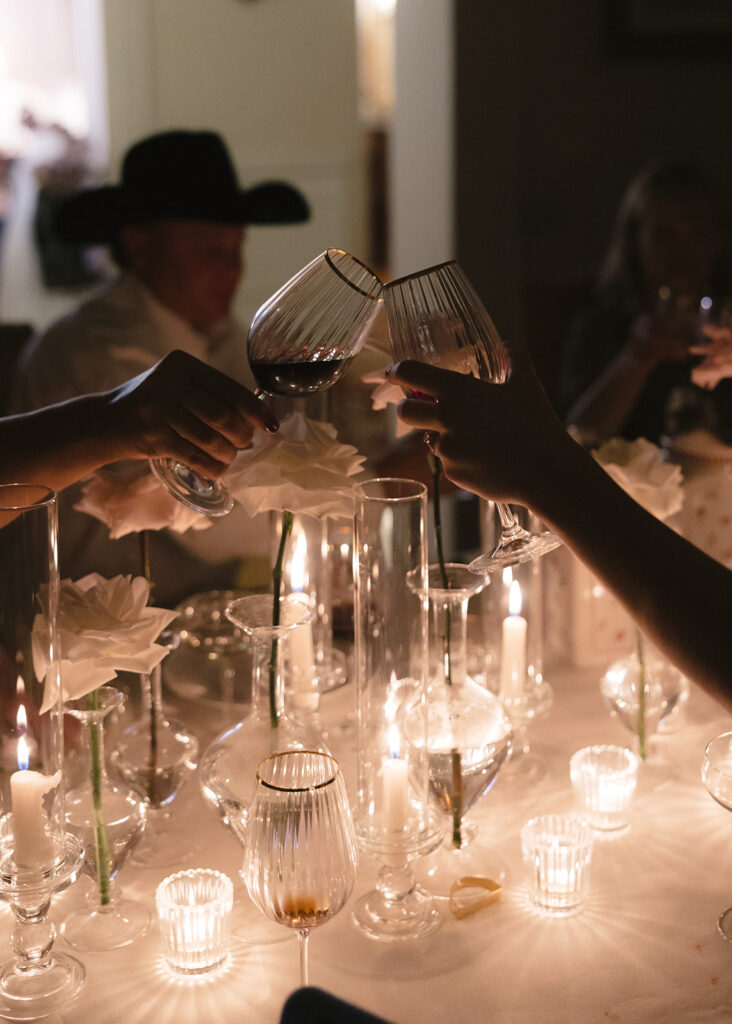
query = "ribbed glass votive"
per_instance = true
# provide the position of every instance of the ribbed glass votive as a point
(604, 780)
(557, 850)
(194, 914)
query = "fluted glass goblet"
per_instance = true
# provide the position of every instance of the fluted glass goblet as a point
(300, 852)
(436, 316)
(717, 777)
(301, 340)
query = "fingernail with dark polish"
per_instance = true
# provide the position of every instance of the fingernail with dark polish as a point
(272, 426)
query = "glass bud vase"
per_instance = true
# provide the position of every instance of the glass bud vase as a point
(283, 715)
(468, 736)
(395, 819)
(641, 690)
(37, 857)
(109, 820)
(156, 755)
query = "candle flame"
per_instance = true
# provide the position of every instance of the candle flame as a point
(514, 598)
(19, 685)
(23, 753)
(507, 576)
(21, 719)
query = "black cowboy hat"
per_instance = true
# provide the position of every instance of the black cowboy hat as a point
(177, 175)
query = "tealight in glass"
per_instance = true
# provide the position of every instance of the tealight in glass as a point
(557, 851)
(604, 780)
(194, 915)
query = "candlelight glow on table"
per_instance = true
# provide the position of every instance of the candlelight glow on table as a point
(557, 851)
(604, 780)
(717, 777)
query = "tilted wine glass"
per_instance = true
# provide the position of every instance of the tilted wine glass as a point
(300, 850)
(436, 316)
(717, 777)
(301, 340)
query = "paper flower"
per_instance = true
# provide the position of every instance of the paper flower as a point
(129, 501)
(104, 626)
(302, 468)
(717, 361)
(384, 395)
(639, 467)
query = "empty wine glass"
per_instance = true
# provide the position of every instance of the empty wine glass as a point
(436, 316)
(717, 777)
(301, 340)
(300, 849)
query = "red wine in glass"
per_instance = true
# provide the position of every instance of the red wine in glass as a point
(300, 377)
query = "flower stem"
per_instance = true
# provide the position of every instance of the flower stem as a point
(436, 469)
(457, 800)
(286, 530)
(101, 842)
(153, 710)
(641, 695)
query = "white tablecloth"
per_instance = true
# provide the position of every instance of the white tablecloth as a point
(644, 949)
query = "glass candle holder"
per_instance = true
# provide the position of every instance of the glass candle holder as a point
(194, 915)
(394, 819)
(37, 858)
(557, 851)
(604, 780)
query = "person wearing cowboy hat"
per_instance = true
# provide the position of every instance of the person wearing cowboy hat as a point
(175, 227)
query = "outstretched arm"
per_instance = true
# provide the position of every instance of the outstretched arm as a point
(181, 408)
(504, 441)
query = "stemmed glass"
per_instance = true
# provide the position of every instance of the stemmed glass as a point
(301, 340)
(300, 850)
(717, 777)
(436, 316)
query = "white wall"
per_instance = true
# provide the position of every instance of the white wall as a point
(278, 80)
(422, 145)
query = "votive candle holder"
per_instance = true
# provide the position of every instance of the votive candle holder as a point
(557, 852)
(604, 780)
(194, 915)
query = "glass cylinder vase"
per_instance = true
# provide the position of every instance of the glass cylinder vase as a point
(394, 818)
(37, 858)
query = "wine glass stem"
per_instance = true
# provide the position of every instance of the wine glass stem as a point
(508, 520)
(302, 938)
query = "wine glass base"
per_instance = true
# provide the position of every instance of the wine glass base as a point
(208, 497)
(440, 870)
(403, 920)
(515, 551)
(29, 995)
(120, 925)
(724, 924)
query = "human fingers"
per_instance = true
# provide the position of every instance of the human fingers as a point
(247, 405)
(429, 381)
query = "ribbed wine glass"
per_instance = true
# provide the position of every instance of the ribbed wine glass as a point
(436, 316)
(301, 340)
(300, 849)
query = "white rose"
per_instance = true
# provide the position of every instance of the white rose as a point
(302, 468)
(104, 626)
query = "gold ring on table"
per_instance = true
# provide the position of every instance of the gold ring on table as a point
(464, 907)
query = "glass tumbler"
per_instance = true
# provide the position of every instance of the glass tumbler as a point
(194, 915)
(557, 851)
(604, 780)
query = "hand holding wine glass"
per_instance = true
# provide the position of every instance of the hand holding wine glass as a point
(435, 316)
(300, 850)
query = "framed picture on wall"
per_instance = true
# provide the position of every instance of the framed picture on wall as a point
(672, 27)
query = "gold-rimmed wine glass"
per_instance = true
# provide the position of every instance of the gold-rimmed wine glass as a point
(300, 850)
